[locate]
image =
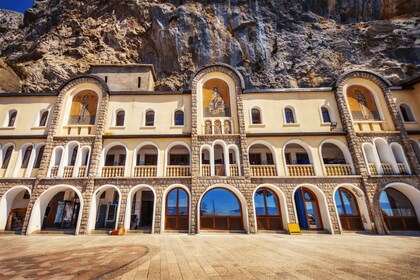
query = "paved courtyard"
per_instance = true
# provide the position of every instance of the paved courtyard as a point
(215, 256)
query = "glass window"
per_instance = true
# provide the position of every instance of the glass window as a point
(172, 200)
(73, 156)
(394, 203)
(26, 156)
(12, 118)
(259, 203)
(220, 202)
(346, 203)
(179, 159)
(290, 118)
(255, 159)
(179, 117)
(325, 115)
(39, 157)
(43, 119)
(177, 203)
(406, 113)
(119, 121)
(256, 116)
(150, 118)
(6, 157)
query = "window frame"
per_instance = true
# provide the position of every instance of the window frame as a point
(294, 114)
(175, 118)
(116, 118)
(413, 117)
(145, 118)
(251, 118)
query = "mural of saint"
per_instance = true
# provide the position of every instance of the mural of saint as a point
(83, 108)
(216, 100)
(362, 104)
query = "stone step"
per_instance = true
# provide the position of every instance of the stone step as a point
(139, 231)
(59, 232)
(8, 232)
(100, 231)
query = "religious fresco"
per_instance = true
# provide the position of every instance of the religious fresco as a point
(216, 101)
(83, 108)
(362, 104)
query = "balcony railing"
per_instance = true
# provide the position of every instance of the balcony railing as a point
(78, 130)
(301, 170)
(372, 169)
(68, 171)
(205, 170)
(219, 170)
(177, 171)
(54, 171)
(145, 171)
(387, 169)
(368, 126)
(113, 171)
(401, 168)
(338, 169)
(263, 170)
(234, 170)
(82, 171)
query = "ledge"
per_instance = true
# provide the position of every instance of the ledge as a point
(114, 136)
(43, 136)
(287, 134)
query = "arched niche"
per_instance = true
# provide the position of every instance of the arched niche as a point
(83, 108)
(13, 205)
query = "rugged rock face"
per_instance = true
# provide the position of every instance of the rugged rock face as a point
(273, 43)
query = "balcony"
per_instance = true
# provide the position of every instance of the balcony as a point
(78, 130)
(205, 170)
(145, 171)
(263, 170)
(177, 171)
(401, 168)
(387, 169)
(54, 171)
(300, 170)
(113, 171)
(372, 169)
(234, 170)
(368, 126)
(68, 171)
(82, 171)
(338, 169)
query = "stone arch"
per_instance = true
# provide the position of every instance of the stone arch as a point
(364, 73)
(164, 198)
(129, 202)
(221, 67)
(282, 203)
(361, 203)
(94, 206)
(237, 193)
(323, 205)
(40, 205)
(6, 203)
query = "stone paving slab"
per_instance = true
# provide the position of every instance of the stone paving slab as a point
(210, 256)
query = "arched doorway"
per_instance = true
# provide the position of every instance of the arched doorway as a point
(397, 210)
(177, 210)
(57, 209)
(140, 211)
(13, 205)
(267, 210)
(220, 209)
(106, 207)
(348, 210)
(308, 211)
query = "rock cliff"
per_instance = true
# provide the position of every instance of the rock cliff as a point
(273, 43)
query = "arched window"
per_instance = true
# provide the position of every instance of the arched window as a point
(289, 115)
(12, 118)
(26, 157)
(83, 108)
(348, 210)
(43, 119)
(406, 113)
(39, 157)
(397, 210)
(255, 116)
(267, 210)
(120, 118)
(325, 115)
(308, 209)
(220, 209)
(150, 118)
(6, 157)
(179, 117)
(176, 217)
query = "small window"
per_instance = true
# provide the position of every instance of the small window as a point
(6, 158)
(406, 113)
(39, 157)
(119, 121)
(73, 156)
(139, 82)
(256, 116)
(150, 118)
(26, 156)
(43, 119)
(179, 117)
(12, 118)
(290, 117)
(325, 115)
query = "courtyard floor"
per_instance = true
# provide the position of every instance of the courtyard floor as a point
(210, 256)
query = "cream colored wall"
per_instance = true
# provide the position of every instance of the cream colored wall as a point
(135, 107)
(412, 99)
(27, 120)
(125, 79)
(307, 108)
(312, 143)
(379, 99)
(162, 145)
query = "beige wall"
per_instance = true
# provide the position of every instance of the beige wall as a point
(307, 107)
(28, 114)
(412, 99)
(125, 78)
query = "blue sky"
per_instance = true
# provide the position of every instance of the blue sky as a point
(16, 5)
